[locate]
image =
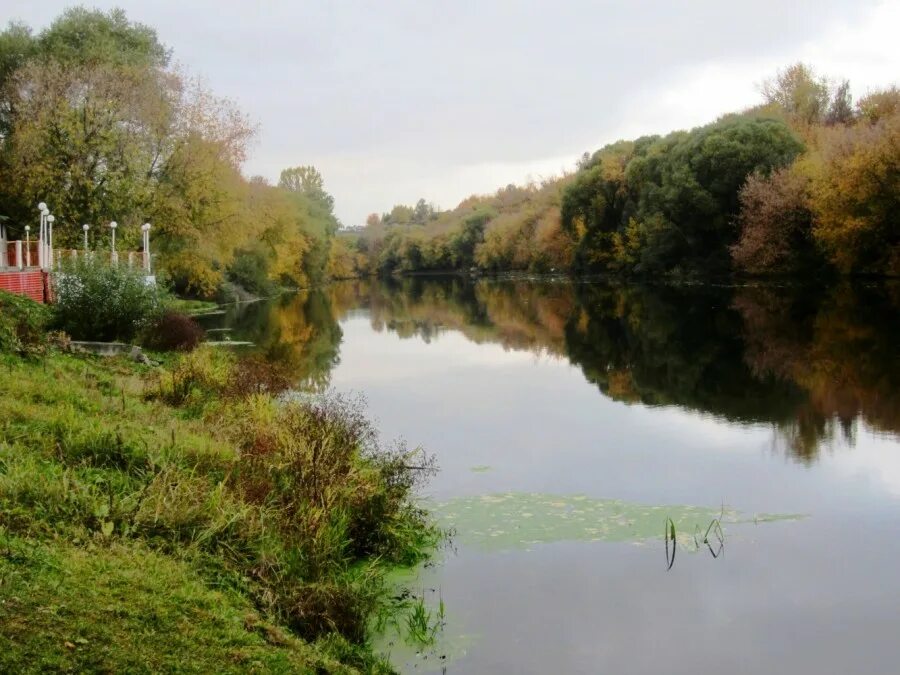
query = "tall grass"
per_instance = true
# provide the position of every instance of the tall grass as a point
(293, 504)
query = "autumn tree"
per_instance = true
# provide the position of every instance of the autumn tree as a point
(856, 198)
(840, 109)
(306, 187)
(879, 105)
(422, 212)
(88, 138)
(775, 223)
(800, 92)
(95, 122)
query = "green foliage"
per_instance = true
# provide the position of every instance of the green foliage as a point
(462, 243)
(250, 270)
(663, 205)
(123, 607)
(97, 301)
(305, 185)
(85, 36)
(291, 511)
(307, 180)
(22, 324)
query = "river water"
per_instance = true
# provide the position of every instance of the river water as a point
(575, 424)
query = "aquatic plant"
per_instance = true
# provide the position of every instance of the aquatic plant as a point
(670, 537)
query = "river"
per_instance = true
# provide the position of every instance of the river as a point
(577, 424)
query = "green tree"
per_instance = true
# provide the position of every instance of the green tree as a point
(667, 204)
(316, 208)
(399, 215)
(91, 37)
(307, 180)
(422, 212)
(463, 242)
(88, 139)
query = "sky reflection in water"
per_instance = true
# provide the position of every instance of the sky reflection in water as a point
(765, 400)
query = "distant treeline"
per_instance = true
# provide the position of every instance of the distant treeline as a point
(804, 182)
(95, 122)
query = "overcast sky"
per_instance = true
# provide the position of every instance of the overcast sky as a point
(396, 100)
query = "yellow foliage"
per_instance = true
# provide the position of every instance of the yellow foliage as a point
(856, 197)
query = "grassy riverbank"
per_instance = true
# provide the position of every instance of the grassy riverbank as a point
(179, 518)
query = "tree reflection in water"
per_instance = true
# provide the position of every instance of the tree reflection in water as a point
(810, 362)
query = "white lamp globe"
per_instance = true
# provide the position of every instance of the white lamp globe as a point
(28, 228)
(85, 227)
(50, 218)
(145, 227)
(113, 224)
(42, 206)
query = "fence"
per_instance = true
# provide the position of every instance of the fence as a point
(20, 255)
(33, 283)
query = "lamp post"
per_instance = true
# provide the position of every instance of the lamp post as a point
(48, 259)
(44, 212)
(85, 227)
(27, 246)
(145, 229)
(114, 257)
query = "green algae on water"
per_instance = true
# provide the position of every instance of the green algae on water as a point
(516, 520)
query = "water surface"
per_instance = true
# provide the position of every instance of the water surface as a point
(570, 421)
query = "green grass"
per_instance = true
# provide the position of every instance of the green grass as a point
(125, 608)
(168, 520)
(422, 624)
(189, 306)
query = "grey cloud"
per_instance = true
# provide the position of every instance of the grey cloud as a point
(451, 83)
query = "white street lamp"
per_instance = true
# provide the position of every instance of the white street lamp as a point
(48, 258)
(85, 227)
(44, 212)
(27, 246)
(114, 257)
(145, 229)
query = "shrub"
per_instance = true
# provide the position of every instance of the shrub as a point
(195, 378)
(775, 223)
(95, 301)
(22, 324)
(173, 331)
(255, 375)
(336, 497)
(250, 270)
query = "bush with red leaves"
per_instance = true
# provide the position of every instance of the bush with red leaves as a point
(255, 375)
(174, 331)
